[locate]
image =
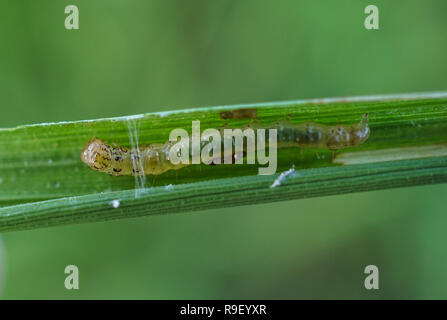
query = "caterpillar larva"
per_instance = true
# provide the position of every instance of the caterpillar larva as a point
(154, 159)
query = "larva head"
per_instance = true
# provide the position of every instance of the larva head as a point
(97, 155)
(360, 132)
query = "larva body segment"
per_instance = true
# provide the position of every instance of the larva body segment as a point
(315, 135)
(154, 159)
(118, 161)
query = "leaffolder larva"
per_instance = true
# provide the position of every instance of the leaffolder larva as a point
(154, 159)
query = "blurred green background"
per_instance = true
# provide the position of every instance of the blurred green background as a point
(139, 56)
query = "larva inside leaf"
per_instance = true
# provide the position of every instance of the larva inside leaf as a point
(154, 159)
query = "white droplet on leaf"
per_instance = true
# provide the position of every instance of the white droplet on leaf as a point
(115, 203)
